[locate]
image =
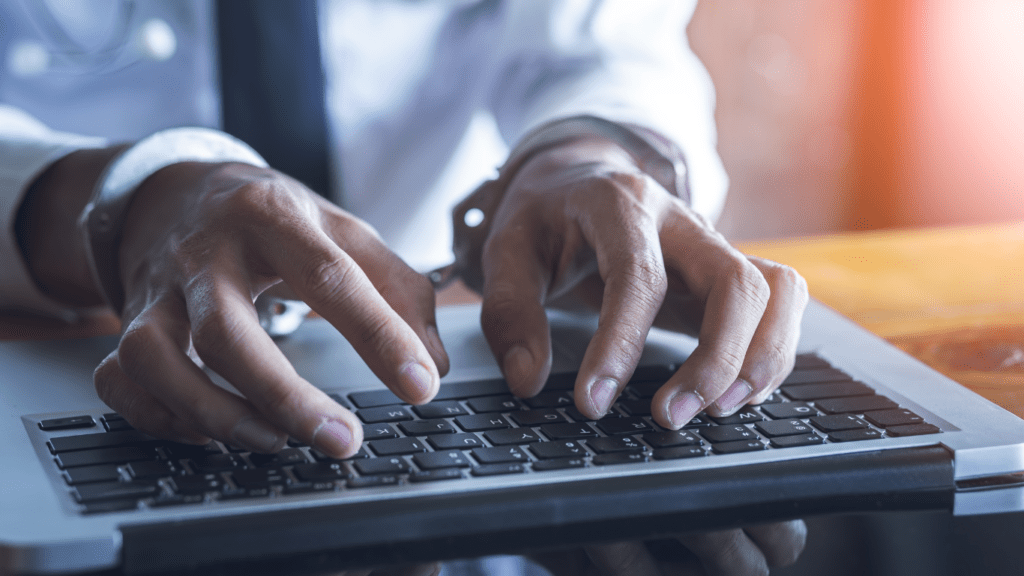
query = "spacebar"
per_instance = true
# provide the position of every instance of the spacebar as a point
(455, 390)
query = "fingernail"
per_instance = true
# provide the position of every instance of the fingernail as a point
(739, 391)
(602, 393)
(518, 366)
(332, 437)
(684, 407)
(256, 435)
(415, 376)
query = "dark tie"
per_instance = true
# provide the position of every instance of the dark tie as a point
(272, 84)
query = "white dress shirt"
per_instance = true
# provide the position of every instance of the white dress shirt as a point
(423, 98)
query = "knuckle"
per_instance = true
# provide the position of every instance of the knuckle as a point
(646, 272)
(786, 277)
(329, 278)
(749, 282)
(214, 333)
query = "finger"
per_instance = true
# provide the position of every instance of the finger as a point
(152, 354)
(227, 335)
(735, 296)
(727, 552)
(140, 408)
(512, 314)
(334, 285)
(630, 263)
(623, 559)
(781, 542)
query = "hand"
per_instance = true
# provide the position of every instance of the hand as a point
(581, 222)
(201, 241)
(748, 551)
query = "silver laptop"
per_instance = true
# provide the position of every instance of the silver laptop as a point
(858, 426)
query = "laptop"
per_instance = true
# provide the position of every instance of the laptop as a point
(858, 426)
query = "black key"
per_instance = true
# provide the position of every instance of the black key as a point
(568, 431)
(426, 427)
(775, 428)
(374, 398)
(559, 464)
(858, 405)
(372, 481)
(789, 410)
(67, 423)
(105, 456)
(631, 425)
(282, 458)
(488, 404)
(816, 376)
(379, 432)
(499, 455)
(235, 494)
(372, 466)
(293, 443)
(894, 417)
(774, 398)
(737, 446)
(478, 422)
(561, 381)
(808, 361)
(838, 422)
(678, 452)
(549, 400)
(121, 425)
(384, 414)
(165, 500)
(855, 435)
(912, 429)
(452, 391)
(616, 444)
(536, 417)
(176, 451)
(619, 458)
(150, 469)
(339, 399)
(307, 487)
(717, 434)
(499, 469)
(110, 506)
(699, 421)
(577, 416)
(672, 438)
(512, 436)
(321, 457)
(87, 474)
(455, 441)
(197, 483)
(437, 460)
(114, 491)
(435, 475)
(833, 390)
(319, 472)
(397, 446)
(552, 450)
(447, 409)
(259, 478)
(217, 463)
(657, 372)
(635, 407)
(744, 415)
(797, 440)
(646, 389)
(100, 440)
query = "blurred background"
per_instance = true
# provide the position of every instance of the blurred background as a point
(837, 115)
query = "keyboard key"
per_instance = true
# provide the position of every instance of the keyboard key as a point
(616, 444)
(371, 466)
(454, 441)
(445, 409)
(834, 390)
(672, 438)
(319, 472)
(217, 463)
(561, 381)
(374, 398)
(654, 372)
(737, 446)
(372, 481)
(774, 428)
(632, 425)
(552, 450)
(568, 431)
(816, 376)
(321, 457)
(646, 389)
(100, 440)
(307, 487)
(559, 464)
(379, 432)
(397, 446)
(384, 414)
(87, 474)
(574, 413)
(549, 400)
(536, 417)
(258, 478)
(120, 425)
(858, 405)
(150, 469)
(699, 421)
(774, 398)
(717, 434)
(114, 491)
(488, 404)
(68, 423)
(636, 407)
(809, 361)
(197, 483)
(894, 417)
(797, 440)
(912, 429)
(513, 436)
(110, 506)
(164, 500)
(105, 456)
(744, 415)
(339, 399)
(787, 410)
(435, 475)
(176, 451)
(479, 422)
(499, 469)
(855, 435)
(426, 427)
(282, 458)
(499, 455)
(436, 460)
(619, 458)
(678, 452)
(838, 422)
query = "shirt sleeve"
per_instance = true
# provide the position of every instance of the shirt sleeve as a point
(27, 148)
(621, 60)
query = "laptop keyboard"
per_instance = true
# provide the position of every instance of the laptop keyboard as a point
(471, 430)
